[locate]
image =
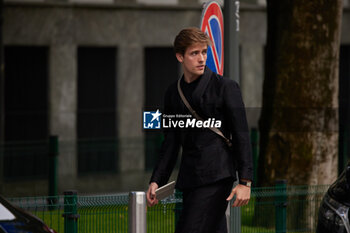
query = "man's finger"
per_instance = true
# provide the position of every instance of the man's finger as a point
(149, 202)
(153, 193)
(240, 202)
(150, 198)
(235, 203)
(231, 195)
(246, 202)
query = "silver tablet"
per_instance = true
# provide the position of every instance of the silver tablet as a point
(165, 191)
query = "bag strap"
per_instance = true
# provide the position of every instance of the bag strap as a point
(187, 104)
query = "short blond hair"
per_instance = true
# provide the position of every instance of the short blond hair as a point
(188, 37)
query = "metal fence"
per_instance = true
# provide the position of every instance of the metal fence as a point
(272, 209)
(282, 209)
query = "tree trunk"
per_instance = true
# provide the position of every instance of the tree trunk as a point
(299, 119)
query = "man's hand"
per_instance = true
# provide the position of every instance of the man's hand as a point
(151, 194)
(242, 193)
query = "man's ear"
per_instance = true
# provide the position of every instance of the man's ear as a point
(179, 57)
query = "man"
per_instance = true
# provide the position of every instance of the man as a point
(208, 166)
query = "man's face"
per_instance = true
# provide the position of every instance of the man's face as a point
(194, 59)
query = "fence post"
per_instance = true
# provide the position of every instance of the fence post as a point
(236, 218)
(53, 161)
(281, 206)
(70, 212)
(137, 213)
(228, 217)
(178, 205)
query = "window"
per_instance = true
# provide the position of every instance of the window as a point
(26, 111)
(97, 145)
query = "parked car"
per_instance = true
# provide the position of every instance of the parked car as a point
(16, 220)
(333, 215)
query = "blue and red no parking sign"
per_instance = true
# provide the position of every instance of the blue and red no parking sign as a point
(212, 24)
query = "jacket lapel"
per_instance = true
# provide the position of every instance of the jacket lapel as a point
(202, 85)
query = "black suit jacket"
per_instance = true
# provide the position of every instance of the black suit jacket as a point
(206, 157)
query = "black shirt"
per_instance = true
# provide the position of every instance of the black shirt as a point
(188, 89)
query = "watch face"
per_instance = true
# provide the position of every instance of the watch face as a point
(249, 183)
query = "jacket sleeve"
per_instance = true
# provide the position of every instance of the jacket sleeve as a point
(169, 150)
(239, 130)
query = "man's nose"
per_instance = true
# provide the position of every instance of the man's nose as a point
(201, 57)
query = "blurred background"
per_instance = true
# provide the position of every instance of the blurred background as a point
(85, 70)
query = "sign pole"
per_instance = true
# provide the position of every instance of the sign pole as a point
(223, 31)
(231, 26)
(231, 70)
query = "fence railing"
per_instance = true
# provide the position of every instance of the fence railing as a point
(109, 213)
(283, 209)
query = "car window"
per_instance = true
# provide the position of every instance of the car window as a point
(5, 214)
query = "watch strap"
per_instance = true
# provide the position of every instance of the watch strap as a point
(246, 183)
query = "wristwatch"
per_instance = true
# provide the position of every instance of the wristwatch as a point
(246, 183)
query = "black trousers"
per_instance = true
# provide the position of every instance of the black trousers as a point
(204, 208)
